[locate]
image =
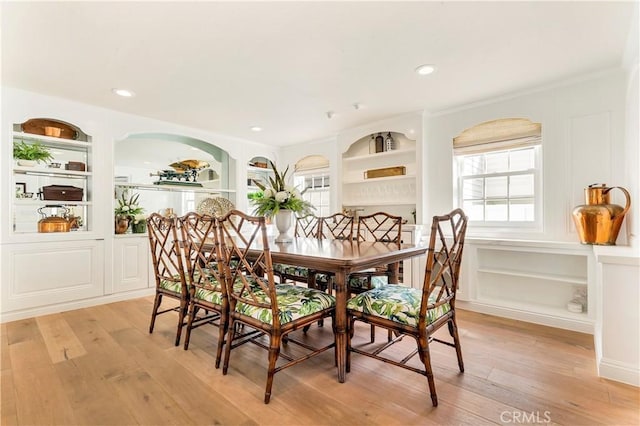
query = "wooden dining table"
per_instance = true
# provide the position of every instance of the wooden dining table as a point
(341, 258)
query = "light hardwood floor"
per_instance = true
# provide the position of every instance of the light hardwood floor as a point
(101, 366)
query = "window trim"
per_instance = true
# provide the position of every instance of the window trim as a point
(504, 226)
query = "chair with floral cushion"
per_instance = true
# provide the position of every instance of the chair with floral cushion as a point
(379, 227)
(207, 291)
(256, 301)
(168, 267)
(415, 312)
(305, 226)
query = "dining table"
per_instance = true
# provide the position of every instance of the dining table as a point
(341, 258)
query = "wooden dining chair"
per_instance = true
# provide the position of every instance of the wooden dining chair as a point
(305, 226)
(205, 280)
(377, 227)
(169, 269)
(338, 226)
(256, 301)
(418, 312)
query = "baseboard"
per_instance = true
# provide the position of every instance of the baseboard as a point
(76, 304)
(620, 372)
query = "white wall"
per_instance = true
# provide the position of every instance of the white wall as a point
(582, 143)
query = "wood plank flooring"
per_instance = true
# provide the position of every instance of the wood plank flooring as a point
(101, 366)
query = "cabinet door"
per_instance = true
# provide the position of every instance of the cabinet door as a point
(131, 264)
(41, 274)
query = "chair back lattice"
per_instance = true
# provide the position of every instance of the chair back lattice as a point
(307, 226)
(443, 261)
(247, 261)
(168, 263)
(338, 226)
(381, 227)
(201, 248)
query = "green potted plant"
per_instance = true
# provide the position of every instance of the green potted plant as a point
(126, 212)
(30, 154)
(139, 224)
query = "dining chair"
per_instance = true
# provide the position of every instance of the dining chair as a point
(168, 268)
(205, 280)
(305, 226)
(256, 301)
(338, 226)
(418, 312)
(378, 227)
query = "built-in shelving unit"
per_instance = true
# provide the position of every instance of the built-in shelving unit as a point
(29, 181)
(399, 190)
(531, 281)
(261, 174)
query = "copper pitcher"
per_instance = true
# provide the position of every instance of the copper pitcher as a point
(598, 222)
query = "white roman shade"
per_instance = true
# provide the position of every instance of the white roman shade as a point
(497, 135)
(312, 162)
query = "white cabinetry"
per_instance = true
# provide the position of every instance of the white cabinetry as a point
(132, 263)
(530, 281)
(43, 274)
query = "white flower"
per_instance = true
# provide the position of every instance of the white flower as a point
(282, 196)
(125, 208)
(296, 193)
(268, 193)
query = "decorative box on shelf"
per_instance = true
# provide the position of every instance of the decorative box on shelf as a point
(385, 172)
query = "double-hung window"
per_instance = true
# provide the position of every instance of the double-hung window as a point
(311, 176)
(498, 173)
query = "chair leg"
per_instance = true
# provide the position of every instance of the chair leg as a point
(350, 329)
(274, 351)
(227, 348)
(156, 305)
(222, 331)
(193, 310)
(425, 357)
(181, 315)
(373, 333)
(453, 330)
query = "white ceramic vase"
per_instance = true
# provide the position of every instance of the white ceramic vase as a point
(283, 224)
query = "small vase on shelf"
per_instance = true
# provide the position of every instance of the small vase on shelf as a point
(121, 224)
(283, 224)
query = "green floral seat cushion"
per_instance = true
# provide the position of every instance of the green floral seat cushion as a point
(291, 270)
(293, 302)
(396, 303)
(360, 283)
(174, 286)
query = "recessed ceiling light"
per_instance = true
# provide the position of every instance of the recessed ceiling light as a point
(330, 114)
(124, 93)
(425, 69)
(256, 128)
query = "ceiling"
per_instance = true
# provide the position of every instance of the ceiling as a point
(227, 66)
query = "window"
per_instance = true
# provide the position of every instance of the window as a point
(498, 173)
(312, 178)
(316, 190)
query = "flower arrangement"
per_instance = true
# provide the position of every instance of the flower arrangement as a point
(279, 196)
(128, 207)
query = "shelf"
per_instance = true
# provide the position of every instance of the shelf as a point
(550, 277)
(534, 308)
(173, 188)
(53, 142)
(51, 172)
(27, 202)
(259, 169)
(381, 203)
(380, 179)
(387, 154)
